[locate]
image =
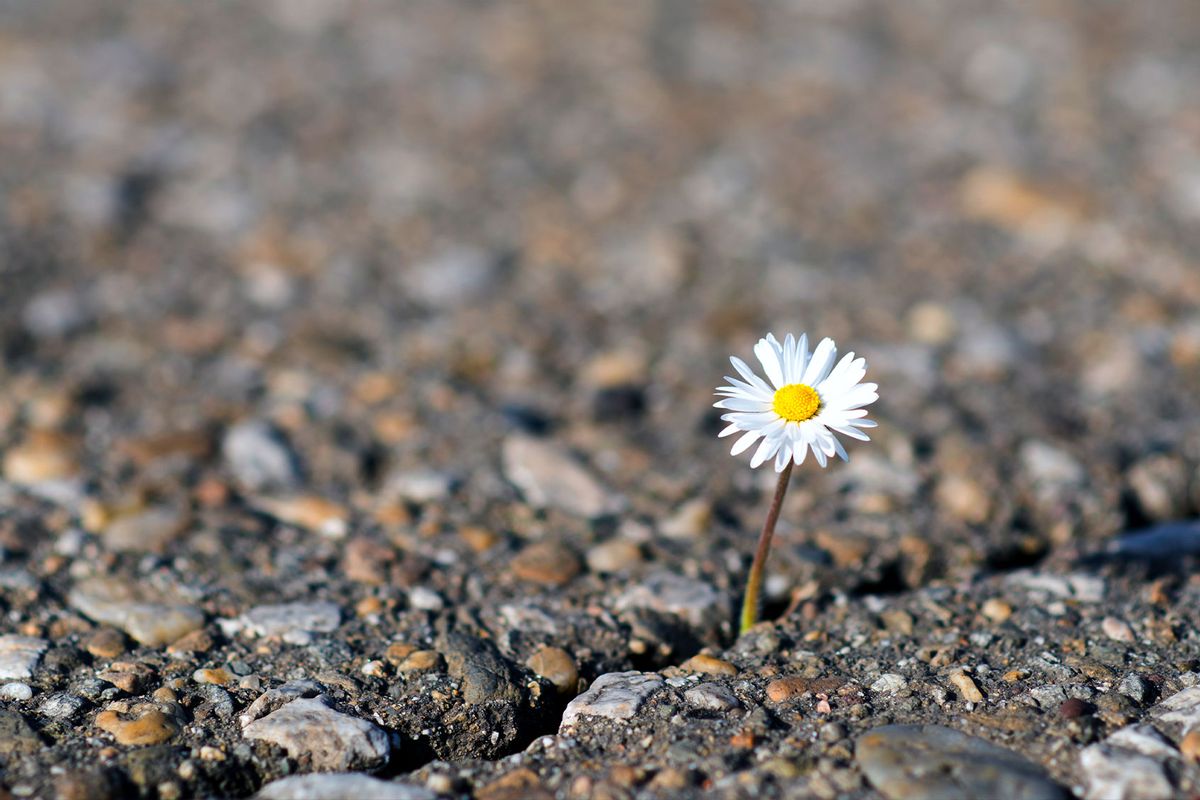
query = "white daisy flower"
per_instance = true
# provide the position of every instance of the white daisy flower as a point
(808, 400)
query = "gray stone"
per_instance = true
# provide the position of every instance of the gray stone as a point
(280, 621)
(19, 655)
(276, 698)
(549, 478)
(328, 740)
(905, 762)
(150, 529)
(135, 610)
(1050, 468)
(339, 786)
(260, 457)
(614, 695)
(711, 697)
(484, 674)
(694, 601)
(61, 706)
(1170, 540)
(57, 312)
(1134, 687)
(1112, 773)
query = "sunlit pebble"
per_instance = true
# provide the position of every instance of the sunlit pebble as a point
(1117, 630)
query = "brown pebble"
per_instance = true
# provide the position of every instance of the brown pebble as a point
(996, 610)
(743, 740)
(556, 666)
(520, 783)
(106, 643)
(219, 676)
(966, 687)
(1073, 708)
(669, 779)
(478, 539)
(198, 641)
(420, 661)
(1190, 746)
(708, 665)
(366, 561)
(547, 563)
(625, 776)
(150, 727)
(398, 651)
(128, 676)
(789, 688)
(43, 456)
(1014, 675)
(368, 606)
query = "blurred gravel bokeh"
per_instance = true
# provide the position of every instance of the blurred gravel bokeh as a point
(370, 348)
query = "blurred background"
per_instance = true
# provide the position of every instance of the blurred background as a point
(399, 232)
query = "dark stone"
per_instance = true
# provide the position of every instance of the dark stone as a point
(614, 403)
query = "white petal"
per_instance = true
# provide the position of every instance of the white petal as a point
(742, 404)
(730, 431)
(765, 450)
(743, 444)
(789, 359)
(783, 457)
(821, 363)
(768, 355)
(841, 451)
(744, 370)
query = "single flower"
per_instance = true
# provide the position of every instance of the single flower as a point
(808, 400)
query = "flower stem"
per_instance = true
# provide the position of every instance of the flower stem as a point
(758, 568)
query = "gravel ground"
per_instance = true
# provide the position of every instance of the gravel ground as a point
(356, 370)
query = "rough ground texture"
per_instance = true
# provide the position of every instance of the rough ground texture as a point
(356, 363)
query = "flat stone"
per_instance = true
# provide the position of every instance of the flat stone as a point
(260, 457)
(692, 600)
(282, 621)
(614, 695)
(339, 786)
(1079, 586)
(148, 530)
(134, 609)
(708, 665)
(906, 762)
(1182, 708)
(889, 683)
(147, 726)
(1112, 773)
(615, 555)
(19, 655)
(550, 478)
(711, 697)
(309, 512)
(1144, 739)
(328, 740)
(548, 563)
(61, 706)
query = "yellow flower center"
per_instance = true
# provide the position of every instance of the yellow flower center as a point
(797, 402)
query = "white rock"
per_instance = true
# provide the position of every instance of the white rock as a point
(16, 691)
(1143, 739)
(1115, 774)
(329, 740)
(425, 599)
(614, 695)
(19, 655)
(136, 610)
(259, 457)
(290, 619)
(549, 478)
(889, 683)
(1078, 586)
(339, 786)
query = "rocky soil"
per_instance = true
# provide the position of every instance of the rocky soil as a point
(356, 370)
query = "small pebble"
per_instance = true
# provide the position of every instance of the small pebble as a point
(546, 563)
(1116, 629)
(219, 676)
(149, 727)
(996, 610)
(708, 665)
(556, 666)
(1073, 708)
(966, 687)
(106, 643)
(420, 661)
(16, 691)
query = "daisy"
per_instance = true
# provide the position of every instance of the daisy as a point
(808, 400)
